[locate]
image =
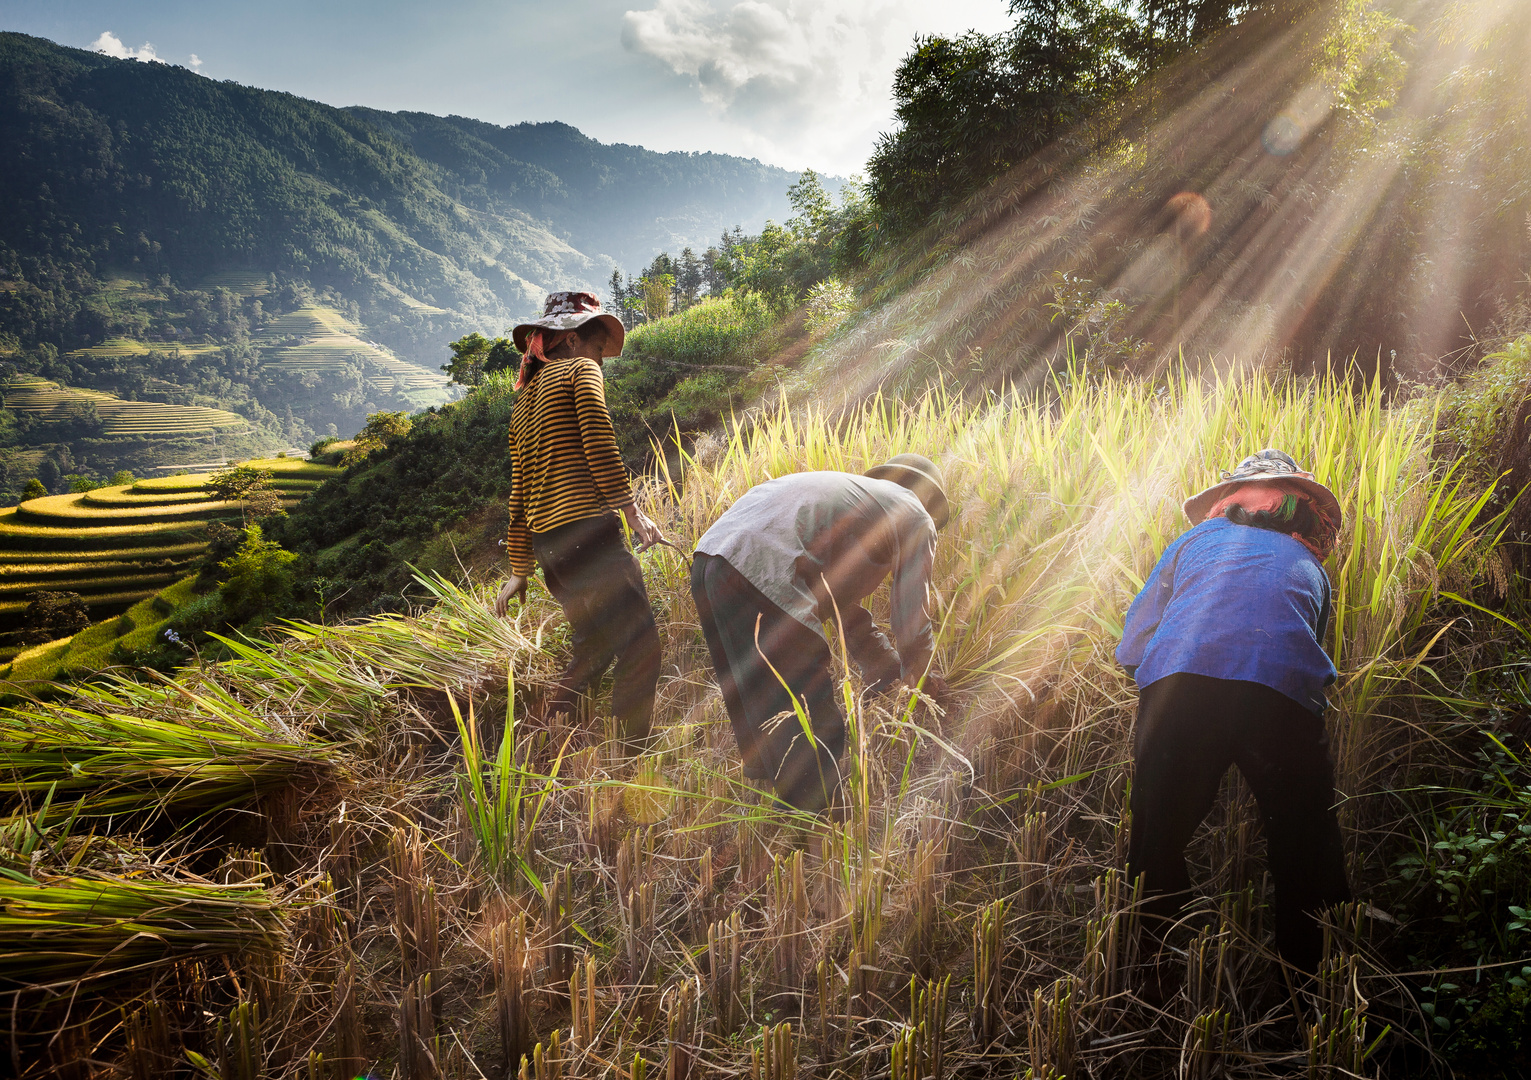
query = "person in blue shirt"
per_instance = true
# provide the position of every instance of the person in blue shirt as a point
(1226, 643)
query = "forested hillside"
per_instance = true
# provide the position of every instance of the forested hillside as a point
(303, 265)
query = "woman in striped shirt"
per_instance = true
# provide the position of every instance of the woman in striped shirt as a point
(569, 495)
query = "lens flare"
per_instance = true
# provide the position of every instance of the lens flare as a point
(1282, 135)
(1190, 213)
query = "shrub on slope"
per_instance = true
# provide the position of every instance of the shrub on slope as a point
(690, 369)
(435, 498)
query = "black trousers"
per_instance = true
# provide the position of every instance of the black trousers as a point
(1190, 729)
(596, 579)
(775, 747)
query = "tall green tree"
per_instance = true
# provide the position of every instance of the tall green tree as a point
(250, 487)
(970, 108)
(474, 356)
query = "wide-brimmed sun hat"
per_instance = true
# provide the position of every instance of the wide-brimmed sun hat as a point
(923, 477)
(568, 311)
(1267, 465)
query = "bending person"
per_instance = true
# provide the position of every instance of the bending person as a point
(569, 492)
(1226, 643)
(790, 555)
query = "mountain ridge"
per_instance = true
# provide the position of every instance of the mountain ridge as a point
(136, 193)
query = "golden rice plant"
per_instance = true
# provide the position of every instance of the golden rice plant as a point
(1061, 505)
(977, 835)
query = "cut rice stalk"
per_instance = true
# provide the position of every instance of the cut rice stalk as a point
(177, 748)
(58, 931)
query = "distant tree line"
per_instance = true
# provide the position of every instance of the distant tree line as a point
(973, 106)
(783, 262)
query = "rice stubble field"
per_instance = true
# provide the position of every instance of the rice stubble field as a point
(361, 848)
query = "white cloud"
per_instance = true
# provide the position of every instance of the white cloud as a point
(110, 44)
(809, 79)
(195, 63)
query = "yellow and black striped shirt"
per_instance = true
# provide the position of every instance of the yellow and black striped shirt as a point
(563, 453)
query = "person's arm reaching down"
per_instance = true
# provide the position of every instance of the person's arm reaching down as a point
(599, 440)
(874, 655)
(916, 541)
(518, 537)
(1147, 609)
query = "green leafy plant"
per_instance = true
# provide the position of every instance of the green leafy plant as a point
(1467, 890)
(502, 798)
(258, 578)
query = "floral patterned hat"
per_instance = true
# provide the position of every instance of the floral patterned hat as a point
(566, 311)
(1267, 465)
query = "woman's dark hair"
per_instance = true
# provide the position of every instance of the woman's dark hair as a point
(1303, 521)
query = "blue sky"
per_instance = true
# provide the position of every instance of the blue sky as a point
(793, 82)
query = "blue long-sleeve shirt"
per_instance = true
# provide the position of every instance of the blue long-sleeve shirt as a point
(1234, 602)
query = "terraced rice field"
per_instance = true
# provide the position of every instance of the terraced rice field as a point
(94, 647)
(120, 419)
(119, 346)
(239, 282)
(411, 302)
(331, 342)
(115, 546)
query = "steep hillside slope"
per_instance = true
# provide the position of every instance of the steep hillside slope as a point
(173, 238)
(622, 202)
(427, 224)
(434, 500)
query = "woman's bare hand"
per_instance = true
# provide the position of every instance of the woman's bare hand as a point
(645, 532)
(515, 585)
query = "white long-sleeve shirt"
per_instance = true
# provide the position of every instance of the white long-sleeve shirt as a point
(805, 537)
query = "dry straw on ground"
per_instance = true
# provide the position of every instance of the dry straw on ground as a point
(463, 892)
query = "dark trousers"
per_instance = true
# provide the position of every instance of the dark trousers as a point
(589, 570)
(774, 746)
(1190, 729)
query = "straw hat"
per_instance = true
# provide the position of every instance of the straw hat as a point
(567, 311)
(923, 477)
(1267, 465)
